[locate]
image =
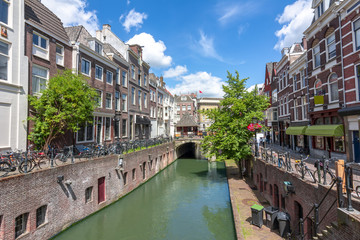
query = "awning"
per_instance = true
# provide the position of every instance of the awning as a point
(325, 130)
(296, 130)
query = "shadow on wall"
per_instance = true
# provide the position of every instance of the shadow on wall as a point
(186, 150)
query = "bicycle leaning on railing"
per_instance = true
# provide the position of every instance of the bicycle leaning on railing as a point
(303, 169)
(323, 171)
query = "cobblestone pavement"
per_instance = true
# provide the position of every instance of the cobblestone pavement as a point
(243, 196)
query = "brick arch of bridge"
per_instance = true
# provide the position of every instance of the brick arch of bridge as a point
(183, 147)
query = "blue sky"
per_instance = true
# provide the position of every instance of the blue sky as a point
(194, 43)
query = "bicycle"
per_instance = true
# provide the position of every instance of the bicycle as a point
(325, 173)
(303, 169)
(62, 157)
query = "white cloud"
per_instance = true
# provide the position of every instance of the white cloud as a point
(73, 13)
(231, 11)
(251, 88)
(295, 19)
(207, 47)
(175, 72)
(153, 52)
(133, 19)
(128, 2)
(209, 85)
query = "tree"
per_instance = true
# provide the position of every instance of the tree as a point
(228, 137)
(65, 104)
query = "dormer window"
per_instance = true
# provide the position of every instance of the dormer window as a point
(183, 98)
(320, 9)
(98, 48)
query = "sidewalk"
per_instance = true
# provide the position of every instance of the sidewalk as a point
(242, 198)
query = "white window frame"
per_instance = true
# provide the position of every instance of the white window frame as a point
(139, 99)
(8, 58)
(295, 82)
(59, 56)
(329, 88)
(133, 72)
(320, 9)
(145, 100)
(296, 117)
(101, 98)
(111, 78)
(133, 96)
(39, 47)
(183, 108)
(124, 78)
(117, 100)
(8, 12)
(302, 78)
(356, 39)
(84, 59)
(102, 73)
(32, 80)
(145, 79)
(107, 130)
(122, 129)
(303, 107)
(328, 44)
(189, 107)
(118, 77)
(106, 100)
(139, 77)
(85, 133)
(124, 104)
(99, 51)
(315, 54)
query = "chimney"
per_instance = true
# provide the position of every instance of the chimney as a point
(304, 43)
(107, 26)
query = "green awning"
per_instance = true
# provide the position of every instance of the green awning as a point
(325, 130)
(296, 130)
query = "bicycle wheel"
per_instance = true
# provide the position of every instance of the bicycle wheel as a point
(311, 176)
(298, 168)
(28, 165)
(5, 168)
(60, 159)
(357, 190)
(327, 174)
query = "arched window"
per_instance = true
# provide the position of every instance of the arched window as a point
(333, 87)
(318, 88)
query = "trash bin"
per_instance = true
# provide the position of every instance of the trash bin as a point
(284, 223)
(270, 217)
(257, 215)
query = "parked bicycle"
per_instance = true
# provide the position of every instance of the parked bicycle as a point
(325, 173)
(62, 157)
(303, 169)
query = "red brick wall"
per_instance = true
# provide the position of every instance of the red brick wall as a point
(66, 203)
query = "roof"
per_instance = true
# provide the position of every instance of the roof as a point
(269, 67)
(78, 34)
(108, 48)
(188, 98)
(187, 120)
(39, 15)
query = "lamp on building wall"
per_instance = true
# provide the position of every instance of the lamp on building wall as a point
(289, 188)
(120, 165)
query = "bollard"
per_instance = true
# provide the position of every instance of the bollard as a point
(26, 163)
(339, 192)
(52, 158)
(348, 187)
(72, 153)
(324, 169)
(301, 222)
(318, 171)
(316, 220)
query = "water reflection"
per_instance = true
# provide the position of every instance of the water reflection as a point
(188, 200)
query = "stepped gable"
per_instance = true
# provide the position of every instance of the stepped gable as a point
(39, 15)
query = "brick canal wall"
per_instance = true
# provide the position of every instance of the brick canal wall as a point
(65, 200)
(269, 179)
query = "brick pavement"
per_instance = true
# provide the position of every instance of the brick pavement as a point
(243, 196)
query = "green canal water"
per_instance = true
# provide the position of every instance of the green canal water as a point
(189, 200)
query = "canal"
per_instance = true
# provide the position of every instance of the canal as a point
(188, 200)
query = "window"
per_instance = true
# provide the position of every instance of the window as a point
(41, 215)
(133, 174)
(319, 142)
(320, 9)
(139, 98)
(107, 128)
(133, 95)
(145, 100)
(117, 76)
(318, 87)
(117, 101)
(85, 66)
(21, 224)
(302, 72)
(316, 57)
(124, 102)
(101, 189)
(139, 78)
(4, 11)
(99, 99)
(117, 127)
(296, 109)
(357, 34)
(85, 133)
(331, 46)
(151, 111)
(339, 144)
(59, 55)
(189, 107)
(145, 79)
(137, 129)
(4, 58)
(98, 48)
(274, 96)
(183, 98)
(178, 107)
(98, 72)
(124, 128)
(303, 108)
(109, 77)
(133, 71)
(333, 85)
(40, 46)
(108, 101)
(125, 178)
(88, 194)
(295, 82)
(124, 82)
(39, 79)
(184, 107)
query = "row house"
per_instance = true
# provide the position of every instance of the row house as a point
(186, 121)
(47, 48)
(137, 85)
(169, 114)
(270, 90)
(325, 80)
(153, 105)
(206, 103)
(13, 76)
(90, 60)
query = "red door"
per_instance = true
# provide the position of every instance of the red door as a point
(101, 189)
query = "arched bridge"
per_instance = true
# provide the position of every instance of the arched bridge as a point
(188, 147)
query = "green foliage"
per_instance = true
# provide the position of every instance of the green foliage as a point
(65, 104)
(228, 137)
